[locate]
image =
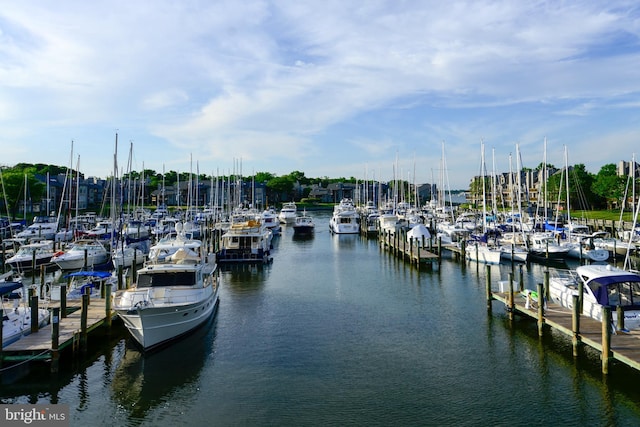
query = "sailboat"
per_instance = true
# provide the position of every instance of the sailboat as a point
(514, 244)
(481, 249)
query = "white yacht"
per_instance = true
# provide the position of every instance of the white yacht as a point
(42, 228)
(126, 256)
(246, 240)
(304, 225)
(345, 218)
(288, 213)
(39, 253)
(271, 221)
(603, 285)
(81, 253)
(175, 292)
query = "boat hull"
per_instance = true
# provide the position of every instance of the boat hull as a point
(152, 326)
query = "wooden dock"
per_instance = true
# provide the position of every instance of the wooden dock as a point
(72, 332)
(621, 345)
(413, 251)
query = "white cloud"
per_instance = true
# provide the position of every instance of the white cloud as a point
(227, 78)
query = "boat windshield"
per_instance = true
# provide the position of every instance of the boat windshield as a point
(619, 290)
(181, 278)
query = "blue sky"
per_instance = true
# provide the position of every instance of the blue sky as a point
(330, 88)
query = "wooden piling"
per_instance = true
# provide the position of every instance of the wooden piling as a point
(63, 300)
(620, 314)
(34, 314)
(511, 297)
(580, 295)
(108, 304)
(488, 286)
(521, 278)
(55, 339)
(575, 325)
(547, 291)
(606, 338)
(540, 309)
(83, 320)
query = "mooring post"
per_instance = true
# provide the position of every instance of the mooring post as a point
(55, 339)
(580, 295)
(521, 279)
(511, 297)
(575, 325)
(120, 285)
(34, 314)
(107, 304)
(547, 291)
(42, 275)
(606, 338)
(541, 298)
(488, 287)
(83, 320)
(620, 313)
(63, 300)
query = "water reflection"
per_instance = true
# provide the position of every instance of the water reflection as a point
(142, 381)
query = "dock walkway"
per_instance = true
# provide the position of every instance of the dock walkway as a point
(624, 346)
(414, 250)
(39, 345)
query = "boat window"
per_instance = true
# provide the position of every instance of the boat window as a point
(635, 292)
(624, 293)
(614, 295)
(183, 278)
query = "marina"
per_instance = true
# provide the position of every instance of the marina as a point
(338, 330)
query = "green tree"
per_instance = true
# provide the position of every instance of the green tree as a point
(608, 185)
(13, 180)
(281, 187)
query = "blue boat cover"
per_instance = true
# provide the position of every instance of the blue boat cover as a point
(98, 274)
(8, 287)
(600, 285)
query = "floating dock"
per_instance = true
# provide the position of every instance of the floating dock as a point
(416, 251)
(621, 345)
(68, 331)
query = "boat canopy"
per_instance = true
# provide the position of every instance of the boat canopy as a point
(623, 289)
(8, 287)
(95, 273)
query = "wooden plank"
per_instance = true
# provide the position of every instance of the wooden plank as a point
(69, 326)
(625, 346)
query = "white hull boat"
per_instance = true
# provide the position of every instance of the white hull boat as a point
(288, 213)
(175, 292)
(304, 225)
(16, 321)
(80, 254)
(33, 253)
(345, 219)
(603, 285)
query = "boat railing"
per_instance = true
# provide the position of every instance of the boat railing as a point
(565, 275)
(142, 298)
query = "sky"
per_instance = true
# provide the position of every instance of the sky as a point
(367, 89)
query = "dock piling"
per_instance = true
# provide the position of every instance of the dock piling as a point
(606, 338)
(541, 299)
(55, 339)
(575, 325)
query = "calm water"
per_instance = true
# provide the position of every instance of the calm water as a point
(337, 332)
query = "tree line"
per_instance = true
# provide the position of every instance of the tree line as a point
(603, 190)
